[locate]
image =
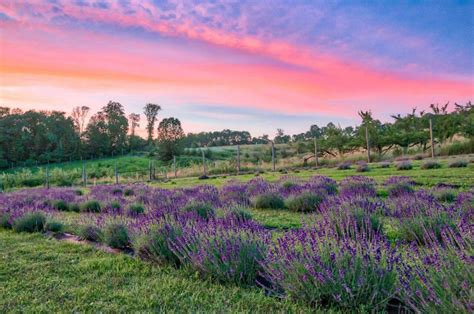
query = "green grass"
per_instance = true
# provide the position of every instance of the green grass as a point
(38, 274)
(464, 177)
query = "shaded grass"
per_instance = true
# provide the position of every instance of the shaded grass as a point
(38, 274)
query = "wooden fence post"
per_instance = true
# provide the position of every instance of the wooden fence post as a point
(47, 176)
(238, 159)
(431, 139)
(116, 174)
(273, 155)
(367, 141)
(84, 175)
(204, 162)
(316, 151)
(150, 174)
(174, 167)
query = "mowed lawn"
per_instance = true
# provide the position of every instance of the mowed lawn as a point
(38, 274)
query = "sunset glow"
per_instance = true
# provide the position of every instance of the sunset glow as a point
(236, 65)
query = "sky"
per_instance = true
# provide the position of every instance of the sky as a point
(243, 65)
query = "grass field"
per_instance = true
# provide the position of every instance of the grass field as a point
(38, 274)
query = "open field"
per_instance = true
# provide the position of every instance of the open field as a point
(239, 245)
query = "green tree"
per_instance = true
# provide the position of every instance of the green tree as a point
(151, 114)
(170, 135)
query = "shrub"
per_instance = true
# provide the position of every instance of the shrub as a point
(240, 213)
(74, 208)
(136, 209)
(224, 251)
(430, 164)
(117, 191)
(156, 244)
(399, 185)
(418, 157)
(424, 229)
(269, 200)
(384, 164)
(115, 205)
(60, 205)
(358, 185)
(445, 195)
(30, 222)
(90, 233)
(362, 167)
(404, 165)
(91, 206)
(458, 164)
(79, 192)
(5, 221)
(316, 267)
(439, 280)
(203, 210)
(116, 236)
(305, 202)
(54, 226)
(128, 192)
(344, 165)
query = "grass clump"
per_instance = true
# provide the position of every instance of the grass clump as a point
(430, 164)
(30, 222)
(5, 221)
(91, 206)
(458, 164)
(90, 233)
(53, 226)
(202, 209)
(305, 202)
(60, 205)
(116, 236)
(136, 209)
(404, 165)
(240, 213)
(270, 201)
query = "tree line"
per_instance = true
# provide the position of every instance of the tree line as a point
(51, 136)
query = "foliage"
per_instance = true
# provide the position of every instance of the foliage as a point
(136, 209)
(202, 209)
(170, 135)
(305, 202)
(116, 236)
(53, 226)
(458, 164)
(270, 201)
(91, 206)
(430, 164)
(90, 233)
(404, 165)
(30, 222)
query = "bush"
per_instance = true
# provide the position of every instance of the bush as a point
(305, 202)
(344, 165)
(384, 164)
(79, 192)
(156, 244)
(116, 236)
(30, 222)
(128, 192)
(60, 205)
(418, 157)
(204, 210)
(90, 233)
(322, 270)
(430, 164)
(115, 205)
(136, 209)
(54, 226)
(5, 221)
(404, 165)
(240, 213)
(225, 252)
(91, 206)
(445, 195)
(458, 164)
(74, 208)
(269, 200)
(362, 167)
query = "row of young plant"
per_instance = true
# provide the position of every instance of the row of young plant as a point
(355, 250)
(403, 164)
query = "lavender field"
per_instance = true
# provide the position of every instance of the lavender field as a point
(361, 246)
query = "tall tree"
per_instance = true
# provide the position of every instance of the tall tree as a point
(117, 126)
(151, 114)
(79, 116)
(134, 119)
(170, 135)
